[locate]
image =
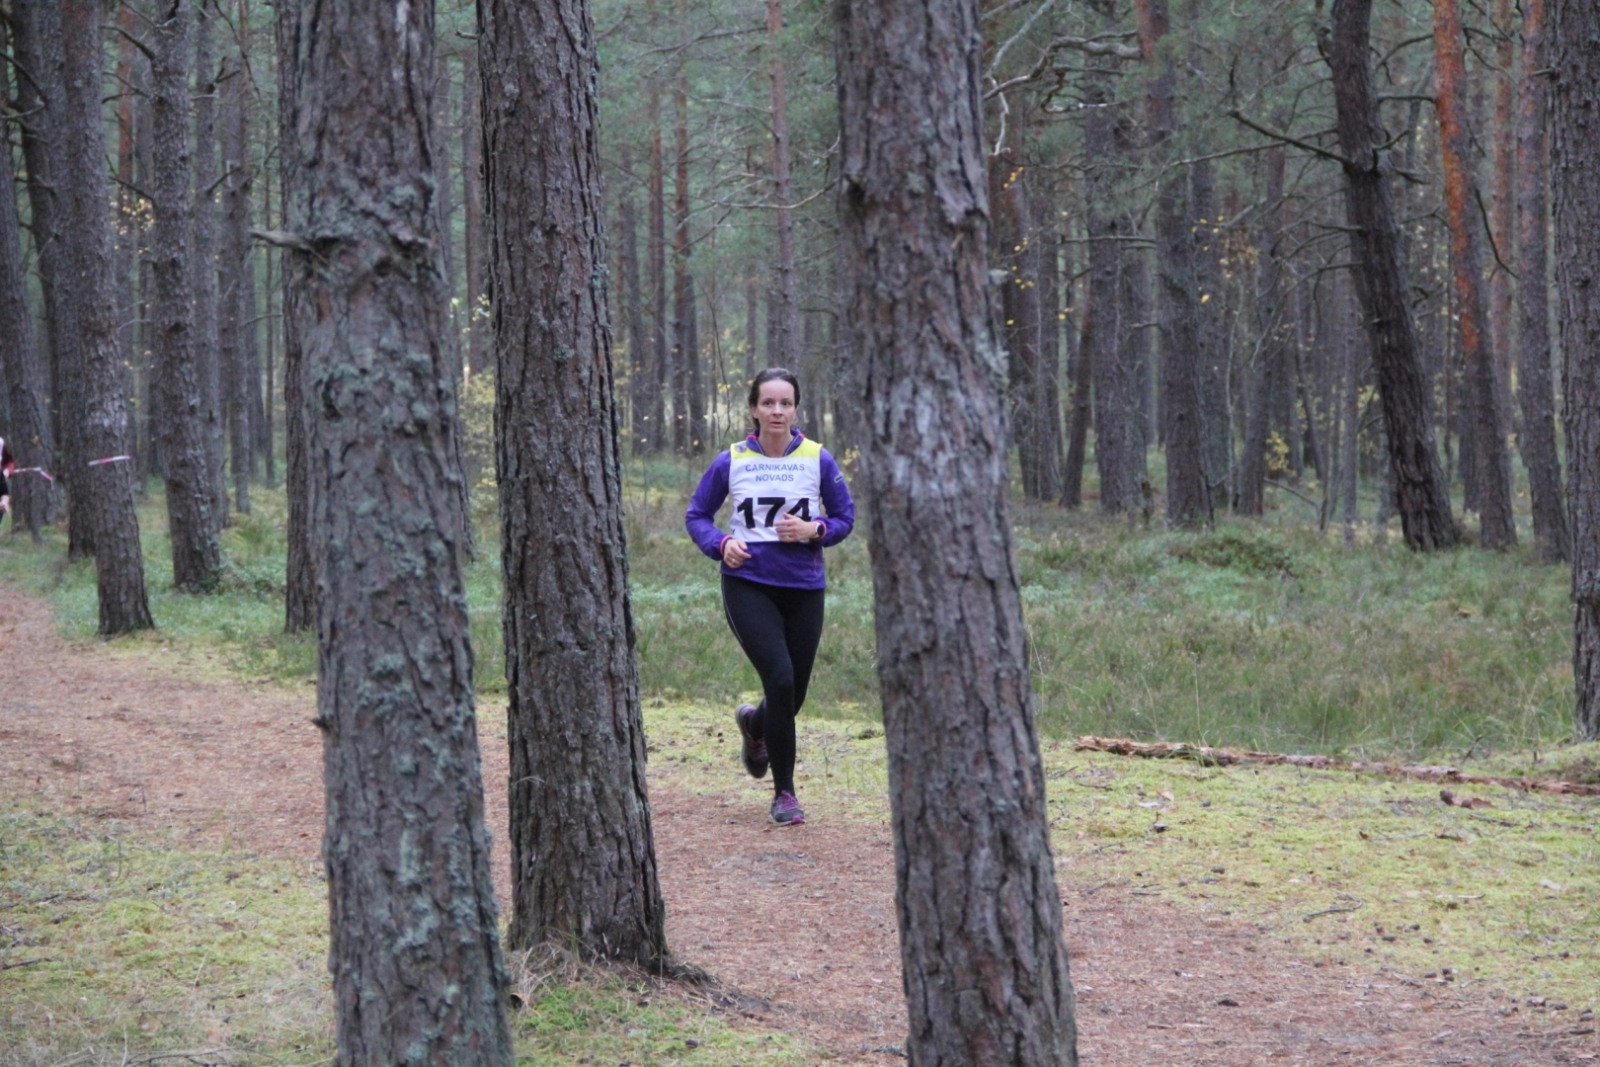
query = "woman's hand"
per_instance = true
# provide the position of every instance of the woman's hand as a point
(791, 528)
(735, 552)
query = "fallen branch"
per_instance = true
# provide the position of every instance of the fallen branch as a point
(1357, 906)
(26, 963)
(1223, 757)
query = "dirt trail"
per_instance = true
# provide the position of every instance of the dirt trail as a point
(802, 918)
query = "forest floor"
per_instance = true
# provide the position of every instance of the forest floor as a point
(798, 921)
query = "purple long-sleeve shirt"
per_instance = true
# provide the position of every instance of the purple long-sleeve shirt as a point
(764, 487)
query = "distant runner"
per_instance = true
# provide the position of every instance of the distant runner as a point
(789, 502)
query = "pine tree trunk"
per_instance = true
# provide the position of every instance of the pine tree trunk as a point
(1182, 342)
(582, 853)
(126, 226)
(417, 970)
(683, 432)
(1215, 405)
(640, 379)
(693, 371)
(783, 322)
(1498, 528)
(300, 577)
(29, 435)
(39, 50)
(1272, 327)
(1018, 326)
(1420, 490)
(268, 441)
(982, 957)
(235, 317)
(1047, 378)
(473, 237)
(656, 253)
(1109, 362)
(1535, 388)
(752, 328)
(196, 552)
(205, 282)
(1575, 167)
(106, 430)
(1503, 235)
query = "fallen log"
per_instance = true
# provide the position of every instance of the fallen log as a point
(1226, 757)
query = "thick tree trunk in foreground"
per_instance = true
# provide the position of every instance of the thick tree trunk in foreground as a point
(418, 976)
(31, 493)
(106, 430)
(582, 855)
(1575, 164)
(196, 552)
(1535, 388)
(984, 966)
(1498, 527)
(1420, 491)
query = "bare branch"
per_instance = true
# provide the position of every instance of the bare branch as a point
(1306, 146)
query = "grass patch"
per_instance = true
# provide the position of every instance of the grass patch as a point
(112, 941)
(1351, 870)
(118, 945)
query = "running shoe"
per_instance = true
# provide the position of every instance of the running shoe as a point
(754, 750)
(786, 810)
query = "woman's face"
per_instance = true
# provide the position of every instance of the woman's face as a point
(774, 410)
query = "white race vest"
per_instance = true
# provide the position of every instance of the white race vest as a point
(763, 488)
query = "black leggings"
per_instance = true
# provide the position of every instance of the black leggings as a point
(778, 628)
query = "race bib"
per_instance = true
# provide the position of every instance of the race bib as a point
(764, 489)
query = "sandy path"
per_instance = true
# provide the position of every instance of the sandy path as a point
(802, 918)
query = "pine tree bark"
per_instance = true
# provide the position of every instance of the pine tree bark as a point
(1503, 210)
(1575, 170)
(1019, 310)
(656, 254)
(86, 232)
(473, 237)
(196, 552)
(31, 492)
(983, 962)
(418, 975)
(235, 318)
(207, 296)
(1535, 388)
(582, 852)
(1183, 352)
(300, 574)
(640, 378)
(783, 322)
(1420, 490)
(1272, 327)
(1109, 361)
(1498, 527)
(678, 353)
(42, 97)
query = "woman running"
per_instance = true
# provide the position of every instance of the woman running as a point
(789, 502)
